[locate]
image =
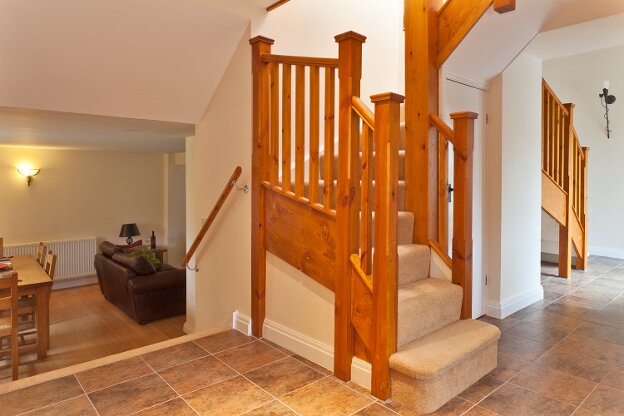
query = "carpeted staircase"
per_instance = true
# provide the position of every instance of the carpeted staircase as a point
(438, 354)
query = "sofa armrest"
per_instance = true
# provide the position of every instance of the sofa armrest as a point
(162, 280)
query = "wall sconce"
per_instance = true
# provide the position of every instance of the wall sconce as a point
(606, 99)
(28, 173)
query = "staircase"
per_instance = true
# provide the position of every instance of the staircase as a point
(564, 180)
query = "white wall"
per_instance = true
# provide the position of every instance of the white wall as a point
(578, 79)
(80, 194)
(519, 146)
(175, 207)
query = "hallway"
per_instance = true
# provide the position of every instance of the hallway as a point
(561, 356)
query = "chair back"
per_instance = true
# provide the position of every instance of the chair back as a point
(50, 265)
(8, 311)
(41, 254)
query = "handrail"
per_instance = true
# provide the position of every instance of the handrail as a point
(299, 60)
(442, 127)
(231, 184)
(554, 96)
(365, 113)
(445, 257)
(276, 5)
(367, 280)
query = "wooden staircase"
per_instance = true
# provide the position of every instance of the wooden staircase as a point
(366, 216)
(564, 180)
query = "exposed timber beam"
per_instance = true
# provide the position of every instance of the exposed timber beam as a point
(276, 5)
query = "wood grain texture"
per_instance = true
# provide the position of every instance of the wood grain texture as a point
(366, 202)
(286, 126)
(300, 131)
(313, 153)
(302, 235)
(330, 128)
(300, 60)
(463, 125)
(362, 311)
(276, 5)
(553, 199)
(274, 150)
(349, 74)
(504, 6)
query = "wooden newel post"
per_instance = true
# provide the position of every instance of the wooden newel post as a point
(463, 125)
(565, 237)
(582, 263)
(260, 172)
(386, 261)
(349, 75)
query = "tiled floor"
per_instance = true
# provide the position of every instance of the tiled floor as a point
(562, 356)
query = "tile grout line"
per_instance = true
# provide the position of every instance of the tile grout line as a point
(87, 396)
(115, 384)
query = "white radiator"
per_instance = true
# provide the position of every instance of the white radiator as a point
(75, 257)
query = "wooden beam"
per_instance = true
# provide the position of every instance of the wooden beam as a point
(422, 92)
(276, 5)
(504, 6)
(456, 19)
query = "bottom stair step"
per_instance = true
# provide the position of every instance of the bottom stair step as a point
(432, 370)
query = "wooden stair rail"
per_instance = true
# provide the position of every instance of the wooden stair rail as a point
(564, 172)
(213, 214)
(461, 136)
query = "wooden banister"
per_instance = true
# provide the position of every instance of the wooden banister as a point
(276, 5)
(442, 127)
(365, 113)
(366, 279)
(213, 214)
(445, 257)
(300, 60)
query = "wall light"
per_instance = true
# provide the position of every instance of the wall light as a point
(606, 99)
(28, 172)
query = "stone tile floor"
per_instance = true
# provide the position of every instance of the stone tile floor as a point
(560, 356)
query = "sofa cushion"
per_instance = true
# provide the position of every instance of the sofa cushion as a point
(109, 249)
(149, 256)
(139, 264)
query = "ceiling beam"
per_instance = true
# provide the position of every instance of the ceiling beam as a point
(276, 5)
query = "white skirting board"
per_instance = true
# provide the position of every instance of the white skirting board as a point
(514, 303)
(606, 252)
(304, 346)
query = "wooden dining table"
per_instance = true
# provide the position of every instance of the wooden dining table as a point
(34, 281)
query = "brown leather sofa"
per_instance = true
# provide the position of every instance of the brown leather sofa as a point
(137, 288)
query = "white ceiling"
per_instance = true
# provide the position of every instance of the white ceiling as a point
(48, 129)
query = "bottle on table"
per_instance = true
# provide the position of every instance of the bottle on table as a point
(153, 241)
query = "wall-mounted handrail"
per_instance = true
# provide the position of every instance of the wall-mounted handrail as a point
(231, 184)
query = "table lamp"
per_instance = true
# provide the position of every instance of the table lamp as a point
(129, 231)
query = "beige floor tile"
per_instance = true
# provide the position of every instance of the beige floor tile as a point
(375, 409)
(39, 395)
(527, 349)
(455, 407)
(224, 340)
(275, 408)
(78, 406)
(277, 347)
(555, 384)
(508, 366)
(605, 401)
(502, 324)
(326, 397)
(283, 376)
(594, 348)
(511, 400)
(578, 365)
(601, 332)
(185, 378)
(175, 407)
(230, 397)
(315, 366)
(131, 396)
(105, 376)
(615, 379)
(482, 388)
(178, 354)
(250, 356)
(479, 411)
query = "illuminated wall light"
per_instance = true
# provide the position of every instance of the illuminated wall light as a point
(28, 172)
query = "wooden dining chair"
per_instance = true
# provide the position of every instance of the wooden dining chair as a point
(41, 256)
(8, 318)
(50, 264)
(1, 247)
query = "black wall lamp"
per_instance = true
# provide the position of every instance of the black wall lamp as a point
(606, 99)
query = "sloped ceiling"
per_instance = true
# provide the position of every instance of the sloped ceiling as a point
(143, 59)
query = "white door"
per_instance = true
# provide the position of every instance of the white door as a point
(457, 96)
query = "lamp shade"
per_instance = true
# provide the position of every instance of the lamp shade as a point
(129, 230)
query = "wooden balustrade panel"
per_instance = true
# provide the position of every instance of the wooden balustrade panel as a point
(286, 126)
(366, 199)
(329, 124)
(301, 234)
(300, 131)
(362, 312)
(314, 177)
(274, 151)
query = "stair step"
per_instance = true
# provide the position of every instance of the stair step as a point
(414, 259)
(401, 165)
(430, 371)
(425, 306)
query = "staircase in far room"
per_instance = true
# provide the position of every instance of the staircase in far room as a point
(564, 180)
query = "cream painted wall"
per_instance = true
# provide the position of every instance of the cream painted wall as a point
(80, 194)
(175, 207)
(578, 79)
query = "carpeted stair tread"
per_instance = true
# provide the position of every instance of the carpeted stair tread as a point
(434, 354)
(414, 260)
(425, 306)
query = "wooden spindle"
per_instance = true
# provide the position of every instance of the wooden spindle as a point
(300, 131)
(556, 144)
(286, 126)
(443, 194)
(314, 135)
(330, 105)
(366, 210)
(275, 125)
(582, 261)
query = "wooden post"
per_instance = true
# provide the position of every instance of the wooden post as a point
(463, 125)
(349, 75)
(565, 237)
(259, 172)
(386, 263)
(422, 92)
(582, 261)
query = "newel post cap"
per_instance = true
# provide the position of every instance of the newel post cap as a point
(261, 39)
(464, 114)
(387, 96)
(350, 35)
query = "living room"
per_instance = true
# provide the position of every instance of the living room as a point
(90, 175)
